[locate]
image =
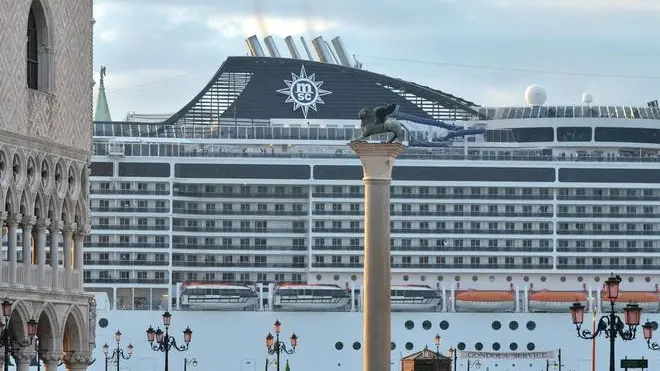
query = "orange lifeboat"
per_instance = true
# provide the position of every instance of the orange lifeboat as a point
(649, 301)
(484, 301)
(554, 301)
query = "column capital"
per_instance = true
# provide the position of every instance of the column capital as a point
(70, 228)
(56, 225)
(3, 215)
(77, 358)
(24, 358)
(42, 223)
(377, 158)
(14, 219)
(29, 220)
(84, 229)
(50, 357)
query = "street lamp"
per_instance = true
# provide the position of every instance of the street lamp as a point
(277, 347)
(453, 353)
(186, 362)
(165, 342)
(474, 363)
(10, 342)
(117, 353)
(609, 324)
(437, 340)
(648, 329)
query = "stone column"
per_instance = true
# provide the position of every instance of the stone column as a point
(51, 360)
(41, 225)
(54, 229)
(12, 244)
(23, 360)
(28, 223)
(78, 262)
(377, 161)
(67, 235)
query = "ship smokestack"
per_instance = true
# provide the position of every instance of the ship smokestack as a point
(321, 51)
(304, 43)
(255, 46)
(291, 45)
(332, 52)
(272, 47)
(344, 60)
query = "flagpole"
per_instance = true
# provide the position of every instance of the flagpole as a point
(593, 341)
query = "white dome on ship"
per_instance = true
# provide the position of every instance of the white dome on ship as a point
(587, 98)
(535, 95)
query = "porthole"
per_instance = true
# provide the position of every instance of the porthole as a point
(409, 346)
(647, 279)
(339, 345)
(392, 346)
(318, 277)
(461, 346)
(562, 278)
(513, 325)
(509, 278)
(531, 346)
(655, 325)
(336, 277)
(426, 325)
(580, 279)
(353, 278)
(357, 345)
(409, 325)
(631, 279)
(513, 346)
(526, 278)
(422, 278)
(440, 278)
(457, 278)
(478, 346)
(103, 323)
(496, 325)
(491, 278)
(444, 325)
(496, 346)
(531, 325)
(597, 279)
(475, 278)
(406, 278)
(544, 278)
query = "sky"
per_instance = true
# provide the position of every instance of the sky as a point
(160, 53)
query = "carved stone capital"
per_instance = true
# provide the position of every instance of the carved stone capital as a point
(29, 220)
(50, 357)
(377, 158)
(14, 219)
(80, 358)
(24, 358)
(42, 223)
(3, 215)
(70, 228)
(55, 226)
(84, 229)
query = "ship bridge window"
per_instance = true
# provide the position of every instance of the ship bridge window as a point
(574, 134)
(630, 135)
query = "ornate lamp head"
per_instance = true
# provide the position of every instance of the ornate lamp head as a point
(167, 319)
(130, 349)
(106, 348)
(6, 308)
(612, 286)
(269, 340)
(159, 335)
(437, 339)
(277, 326)
(294, 340)
(151, 334)
(32, 328)
(632, 313)
(187, 335)
(577, 313)
(648, 330)
(117, 336)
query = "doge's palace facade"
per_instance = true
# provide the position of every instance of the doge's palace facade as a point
(45, 143)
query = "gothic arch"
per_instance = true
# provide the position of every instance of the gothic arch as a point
(74, 333)
(11, 204)
(80, 217)
(67, 211)
(25, 206)
(54, 211)
(19, 317)
(48, 327)
(39, 206)
(40, 42)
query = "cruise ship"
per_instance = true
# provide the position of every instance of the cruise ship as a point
(246, 206)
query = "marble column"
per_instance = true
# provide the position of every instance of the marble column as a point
(12, 244)
(23, 360)
(54, 229)
(28, 223)
(40, 226)
(377, 161)
(67, 236)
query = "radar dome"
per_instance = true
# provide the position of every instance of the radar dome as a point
(535, 95)
(587, 98)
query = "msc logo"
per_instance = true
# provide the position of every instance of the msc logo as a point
(304, 91)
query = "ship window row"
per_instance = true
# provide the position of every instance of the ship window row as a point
(611, 211)
(136, 223)
(232, 226)
(264, 261)
(239, 208)
(610, 246)
(608, 228)
(626, 112)
(120, 276)
(239, 191)
(129, 241)
(629, 263)
(239, 277)
(130, 188)
(129, 206)
(126, 258)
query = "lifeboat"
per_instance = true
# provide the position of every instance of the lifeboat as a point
(554, 301)
(217, 296)
(311, 297)
(649, 301)
(414, 298)
(484, 301)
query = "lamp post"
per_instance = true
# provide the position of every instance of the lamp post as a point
(164, 341)
(186, 362)
(453, 353)
(117, 353)
(9, 342)
(278, 347)
(648, 329)
(474, 363)
(610, 324)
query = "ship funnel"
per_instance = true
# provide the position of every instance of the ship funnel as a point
(291, 45)
(332, 52)
(255, 46)
(304, 43)
(322, 50)
(341, 52)
(272, 47)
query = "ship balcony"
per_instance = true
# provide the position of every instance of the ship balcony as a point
(40, 277)
(219, 264)
(438, 266)
(130, 227)
(180, 210)
(119, 262)
(185, 246)
(610, 267)
(144, 192)
(260, 195)
(148, 210)
(126, 281)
